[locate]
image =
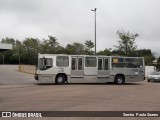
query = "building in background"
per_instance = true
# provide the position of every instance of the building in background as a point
(5, 47)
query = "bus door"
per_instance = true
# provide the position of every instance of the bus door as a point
(77, 67)
(103, 69)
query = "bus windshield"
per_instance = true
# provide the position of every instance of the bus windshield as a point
(45, 63)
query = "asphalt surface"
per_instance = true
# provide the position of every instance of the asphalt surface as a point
(20, 92)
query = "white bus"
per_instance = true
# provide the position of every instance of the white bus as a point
(62, 68)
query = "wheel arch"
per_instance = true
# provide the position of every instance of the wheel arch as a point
(120, 74)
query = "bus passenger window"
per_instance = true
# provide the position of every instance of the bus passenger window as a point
(131, 62)
(79, 63)
(134, 62)
(62, 61)
(73, 63)
(118, 62)
(90, 62)
(99, 64)
(106, 64)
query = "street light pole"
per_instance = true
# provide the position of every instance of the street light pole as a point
(95, 27)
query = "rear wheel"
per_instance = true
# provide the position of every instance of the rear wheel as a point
(60, 79)
(119, 79)
(148, 80)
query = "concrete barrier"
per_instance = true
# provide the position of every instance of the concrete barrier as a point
(27, 68)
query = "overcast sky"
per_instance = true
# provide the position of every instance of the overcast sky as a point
(73, 21)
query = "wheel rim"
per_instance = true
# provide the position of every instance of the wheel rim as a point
(119, 80)
(59, 79)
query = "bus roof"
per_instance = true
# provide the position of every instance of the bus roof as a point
(85, 55)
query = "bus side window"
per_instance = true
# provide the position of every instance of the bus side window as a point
(62, 61)
(106, 64)
(99, 64)
(131, 62)
(80, 64)
(134, 62)
(73, 63)
(118, 62)
(91, 62)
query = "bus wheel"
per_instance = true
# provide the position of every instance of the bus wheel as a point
(119, 79)
(60, 79)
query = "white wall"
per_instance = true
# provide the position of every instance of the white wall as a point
(148, 70)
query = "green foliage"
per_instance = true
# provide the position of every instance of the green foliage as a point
(104, 52)
(126, 42)
(117, 53)
(158, 64)
(148, 59)
(88, 47)
(31, 46)
(158, 61)
(75, 48)
(8, 41)
(147, 54)
(144, 52)
(26, 52)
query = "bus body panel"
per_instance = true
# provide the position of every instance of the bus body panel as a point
(46, 78)
(90, 71)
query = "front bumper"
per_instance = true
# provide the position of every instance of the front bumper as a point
(154, 79)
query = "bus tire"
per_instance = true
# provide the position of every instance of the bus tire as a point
(60, 79)
(119, 79)
(148, 80)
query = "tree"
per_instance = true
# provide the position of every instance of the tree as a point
(75, 48)
(158, 61)
(148, 60)
(143, 52)
(50, 45)
(8, 40)
(117, 53)
(31, 46)
(158, 64)
(18, 51)
(104, 52)
(147, 54)
(53, 44)
(126, 42)
(44, 47)
(14, 56)
(88, 47)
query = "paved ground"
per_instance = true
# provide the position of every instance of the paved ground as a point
(20, 92)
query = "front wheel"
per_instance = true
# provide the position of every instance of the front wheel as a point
(60, 79)
(119, 79)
